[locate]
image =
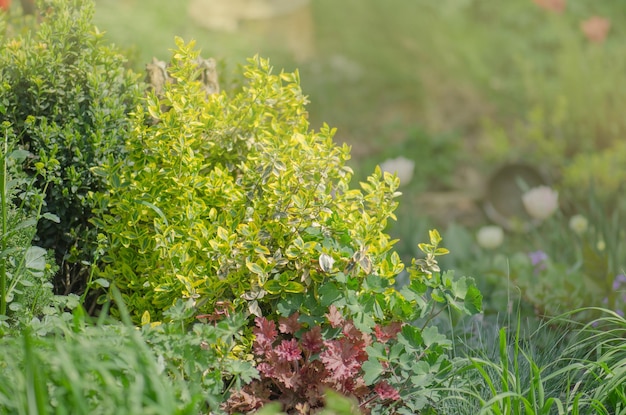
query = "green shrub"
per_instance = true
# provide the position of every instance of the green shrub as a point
(232, 197)
(65, 94)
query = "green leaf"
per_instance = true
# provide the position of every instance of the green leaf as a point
(222, 233)
(255, 268)
(272, 408)
(435, 238)
(293, 287)
(329, 294)
(338, 404)
(35, 259)
(376, 351)
(273, 287)
(99, 171)
(459, 287)
(364, 322)
(473, 300)
(102, 282)
(15, 306)
(431, 335)
(19, 155)
(51, 217)
(156, 210)
(372, 369)
(411, 337)
(438, 296)
(376, 283)
(289, 305)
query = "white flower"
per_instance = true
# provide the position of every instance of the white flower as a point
(541, 202)
(579, 224)
(401, 166)
(490, 237)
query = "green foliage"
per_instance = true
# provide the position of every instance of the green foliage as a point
(603, 171)
(206, 358)
(549, 369)
(25, 269)
(66, 362)
(232, 197)
(101, 370)
(603, 351)
(414, 365)
(416, 362)
(65, 94)
(231, 203)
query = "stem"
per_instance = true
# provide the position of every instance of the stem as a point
(89, 282)
(433, 314)
(3, 206)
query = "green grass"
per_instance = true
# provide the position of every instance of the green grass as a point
(100, 370)
(506, 366)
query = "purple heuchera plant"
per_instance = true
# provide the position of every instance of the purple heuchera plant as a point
(296, 366)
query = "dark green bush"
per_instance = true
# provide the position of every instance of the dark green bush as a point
(66, 95)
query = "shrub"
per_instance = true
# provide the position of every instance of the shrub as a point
(66, 94)
(232, 197)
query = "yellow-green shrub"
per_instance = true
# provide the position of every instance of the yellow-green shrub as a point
(232, 197)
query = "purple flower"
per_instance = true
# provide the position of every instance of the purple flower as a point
(618, 281)
(538, 259)
(620, 313)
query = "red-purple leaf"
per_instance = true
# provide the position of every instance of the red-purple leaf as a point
(385, 391)
(288, 350)
(265, 333)
(339, 359)
(312, 341)
(334, 317)
(289, 325)
(388, 332)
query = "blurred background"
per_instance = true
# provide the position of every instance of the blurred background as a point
(467, 100)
